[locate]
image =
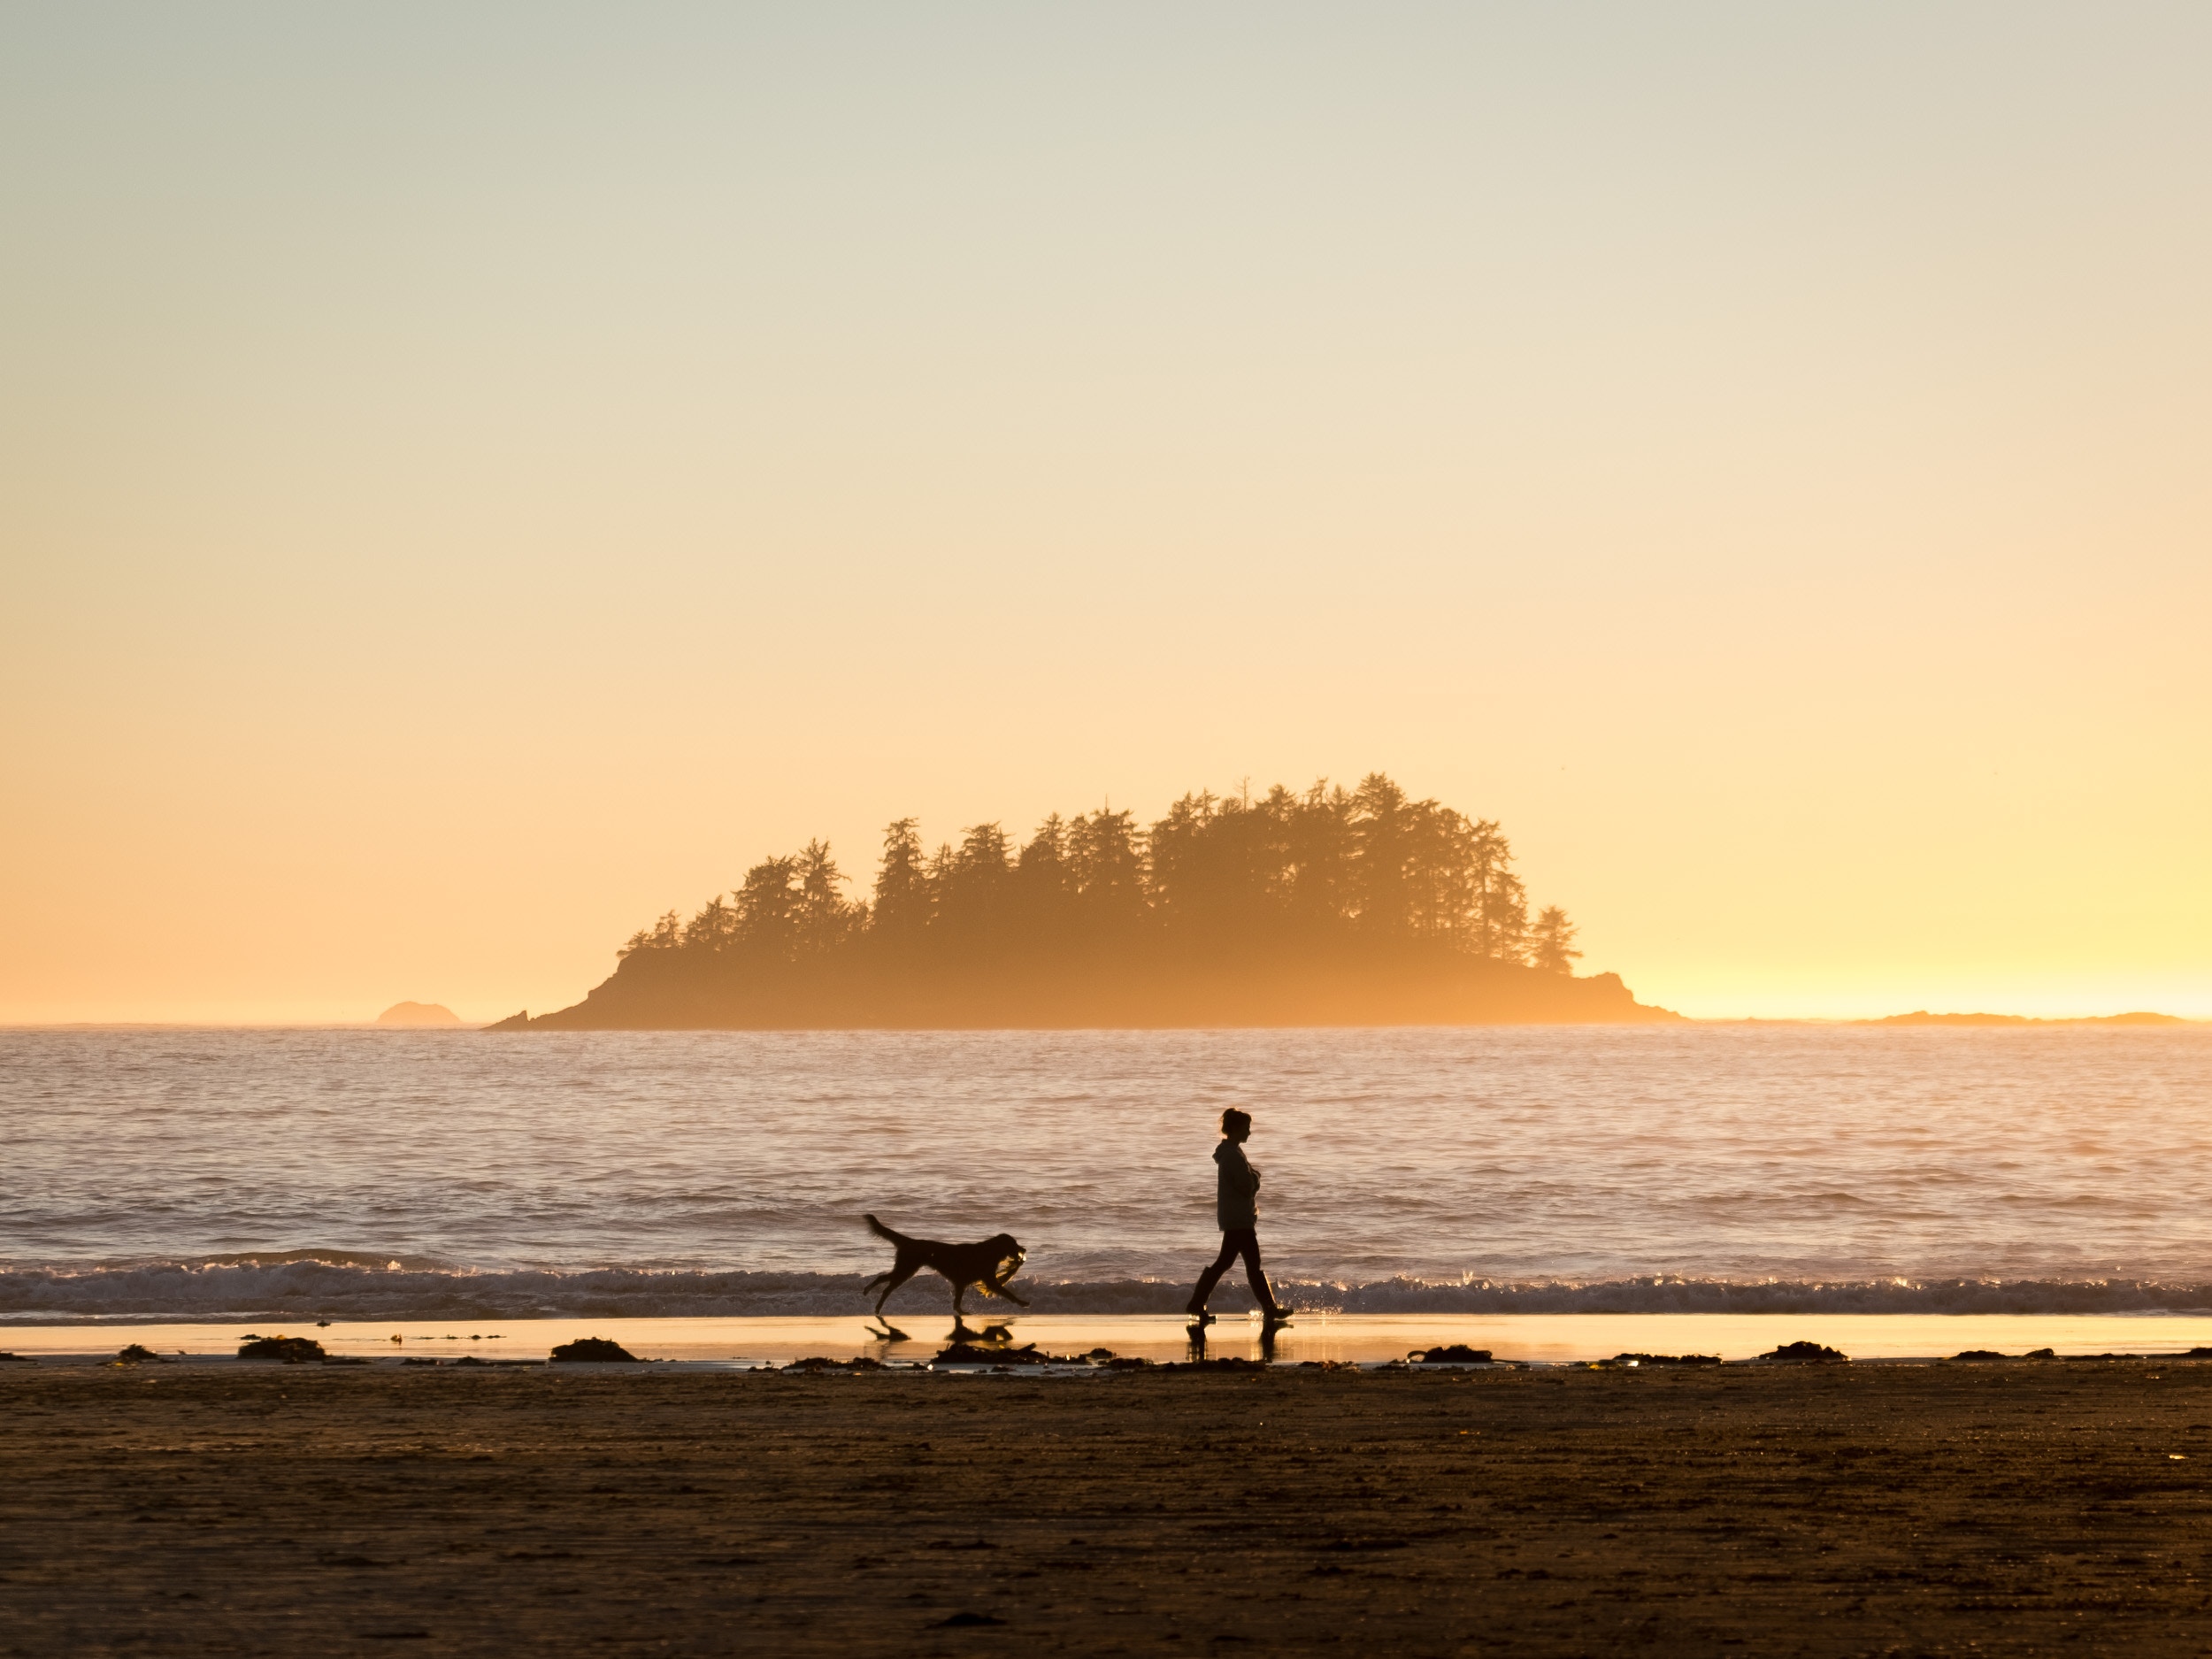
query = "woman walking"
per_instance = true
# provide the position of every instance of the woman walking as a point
(1237, 1208)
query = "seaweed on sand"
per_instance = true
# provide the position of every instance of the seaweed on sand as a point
(291, 1350)
(1449, 1353)
(592, 1350)
(1803, 1354)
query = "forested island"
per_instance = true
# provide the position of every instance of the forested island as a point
(1321, 907)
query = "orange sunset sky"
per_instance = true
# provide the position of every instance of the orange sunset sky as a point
(472, 478)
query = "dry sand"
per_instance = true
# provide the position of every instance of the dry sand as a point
(2064, 1506)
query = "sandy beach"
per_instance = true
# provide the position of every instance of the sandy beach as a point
(2021, 1507)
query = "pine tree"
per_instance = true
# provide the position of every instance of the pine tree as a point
(1551, 943)
(769, 906)
(975, 890)
(1499, 927)
(712, 929)
(1044, 891)
(826, 918)
(1106, 859)
(666, 935)
(1322, 887)
(903, 897)
(1384, 827)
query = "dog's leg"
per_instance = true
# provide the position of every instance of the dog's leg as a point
(959, 1289)
(998, 1287)
(898, 1276)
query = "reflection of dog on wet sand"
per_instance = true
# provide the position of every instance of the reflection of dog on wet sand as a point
(988, 1265)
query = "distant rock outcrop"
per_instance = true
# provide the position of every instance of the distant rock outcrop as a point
(419, 1014)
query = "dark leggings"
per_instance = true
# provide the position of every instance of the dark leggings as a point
(1244, 1241)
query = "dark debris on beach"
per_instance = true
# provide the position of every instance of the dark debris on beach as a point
(1803, 1354)
(594, 1350)
(288, 1350)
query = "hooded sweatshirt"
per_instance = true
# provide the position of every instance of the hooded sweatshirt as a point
(1237, 1192)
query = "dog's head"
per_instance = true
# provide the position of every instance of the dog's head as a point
(1007, 1252)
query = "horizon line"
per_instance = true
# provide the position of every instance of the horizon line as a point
(2012, 1021)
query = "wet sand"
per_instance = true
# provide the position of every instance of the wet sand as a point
(1364, 1337)
(2061, 1506)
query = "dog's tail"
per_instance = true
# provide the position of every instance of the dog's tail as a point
(882, 1231)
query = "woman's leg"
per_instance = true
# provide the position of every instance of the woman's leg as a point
(1211, 1277)
(1248, 1244)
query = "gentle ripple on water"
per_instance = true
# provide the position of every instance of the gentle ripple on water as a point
(1730, 1152)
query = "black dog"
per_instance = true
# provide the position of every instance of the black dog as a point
(989, 1264)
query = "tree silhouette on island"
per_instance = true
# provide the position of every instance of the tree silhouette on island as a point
(1323, 907)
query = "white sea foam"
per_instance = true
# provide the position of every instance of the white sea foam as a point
(308, 1289)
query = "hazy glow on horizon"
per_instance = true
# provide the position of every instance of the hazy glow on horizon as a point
(473, 480)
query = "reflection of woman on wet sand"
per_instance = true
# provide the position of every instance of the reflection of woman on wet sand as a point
(1237, 1210)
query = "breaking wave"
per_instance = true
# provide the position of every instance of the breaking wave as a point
(352, 1285)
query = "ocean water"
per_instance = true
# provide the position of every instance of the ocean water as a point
(1739, 1168)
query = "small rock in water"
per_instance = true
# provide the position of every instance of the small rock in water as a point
(139, 1354)
(1979, 1354)
(823, 1362)
(592, 1350)
(420, 1013)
